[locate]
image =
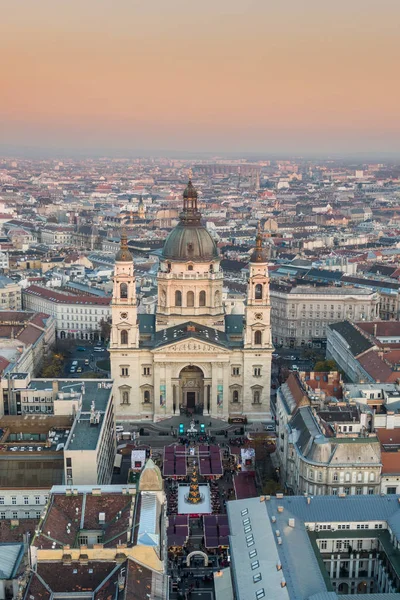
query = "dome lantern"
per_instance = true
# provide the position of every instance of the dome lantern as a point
(123, 254)
(259, 254)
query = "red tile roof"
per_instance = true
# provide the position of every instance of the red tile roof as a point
(382, 328)
(326, 382)
(62, 298)
(16, 533)
(138, 582)
(3, 364)
(390, 463)
(74, 577)
(377, 368)
(65, 514)
(36, 589)
(389, 436)
(297, 391)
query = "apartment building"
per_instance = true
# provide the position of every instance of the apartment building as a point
(313, 548)
(4, 261)
(77, 445)
(78, 317)
(53, 235)
(361, 355)
(300, 315)
(10, 294)
(107, 541)
(25, 340)
(326, 450)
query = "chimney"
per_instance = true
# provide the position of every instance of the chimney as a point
(121, 581)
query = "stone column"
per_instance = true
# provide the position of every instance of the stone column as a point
(174, 400)
(214, 383)
(338, 566)
(351, 565)
(157, 408)
(370, 565)
(357, 564)
(169, 411)
(331, 575)
(225, 376)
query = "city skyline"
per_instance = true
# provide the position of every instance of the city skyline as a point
(232, 77)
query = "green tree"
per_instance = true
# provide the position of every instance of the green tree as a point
(325, 366)
(52, 366)
(105, 329)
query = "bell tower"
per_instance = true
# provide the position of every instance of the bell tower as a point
(258, 309)
(124, 330)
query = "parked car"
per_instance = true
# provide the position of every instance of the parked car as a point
(98, 349)
(79, 370)
(81, 349)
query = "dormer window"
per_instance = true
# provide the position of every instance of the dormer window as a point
(190, 267)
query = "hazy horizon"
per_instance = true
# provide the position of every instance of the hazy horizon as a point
(180, 78)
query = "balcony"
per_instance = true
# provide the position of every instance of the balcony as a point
(190, 275)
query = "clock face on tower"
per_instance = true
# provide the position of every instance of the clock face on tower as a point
(124, 315)
(258, 316)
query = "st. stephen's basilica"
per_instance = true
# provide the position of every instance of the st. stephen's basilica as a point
(190, 355)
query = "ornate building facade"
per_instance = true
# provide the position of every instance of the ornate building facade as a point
(190, 356)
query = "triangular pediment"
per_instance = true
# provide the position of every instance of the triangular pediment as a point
(190, 345)
(124, 323)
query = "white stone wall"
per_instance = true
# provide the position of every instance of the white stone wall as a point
(22, 503)
(298, 317)
(165, 366)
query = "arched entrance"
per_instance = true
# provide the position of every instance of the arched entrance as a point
(362, 587)
(197, 553)
(191, 384)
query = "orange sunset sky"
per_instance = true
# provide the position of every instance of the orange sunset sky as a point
(295, 76)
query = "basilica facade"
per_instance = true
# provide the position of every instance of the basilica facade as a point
(190, 356)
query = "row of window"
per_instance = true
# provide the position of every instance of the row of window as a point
(125, 371)
(125, 397)
(257, 372)
(36, 409)
(15, 515)
(190, 298)
(87, 311)
(25, 500)
(342, 476)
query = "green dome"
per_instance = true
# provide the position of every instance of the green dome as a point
(190, 241)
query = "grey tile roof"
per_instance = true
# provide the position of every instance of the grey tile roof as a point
(234, 324)
(188, 330)
(358, 343)
(335, 509)
(147, 323)
(302, 566)
(263, 545)
(10, 559)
